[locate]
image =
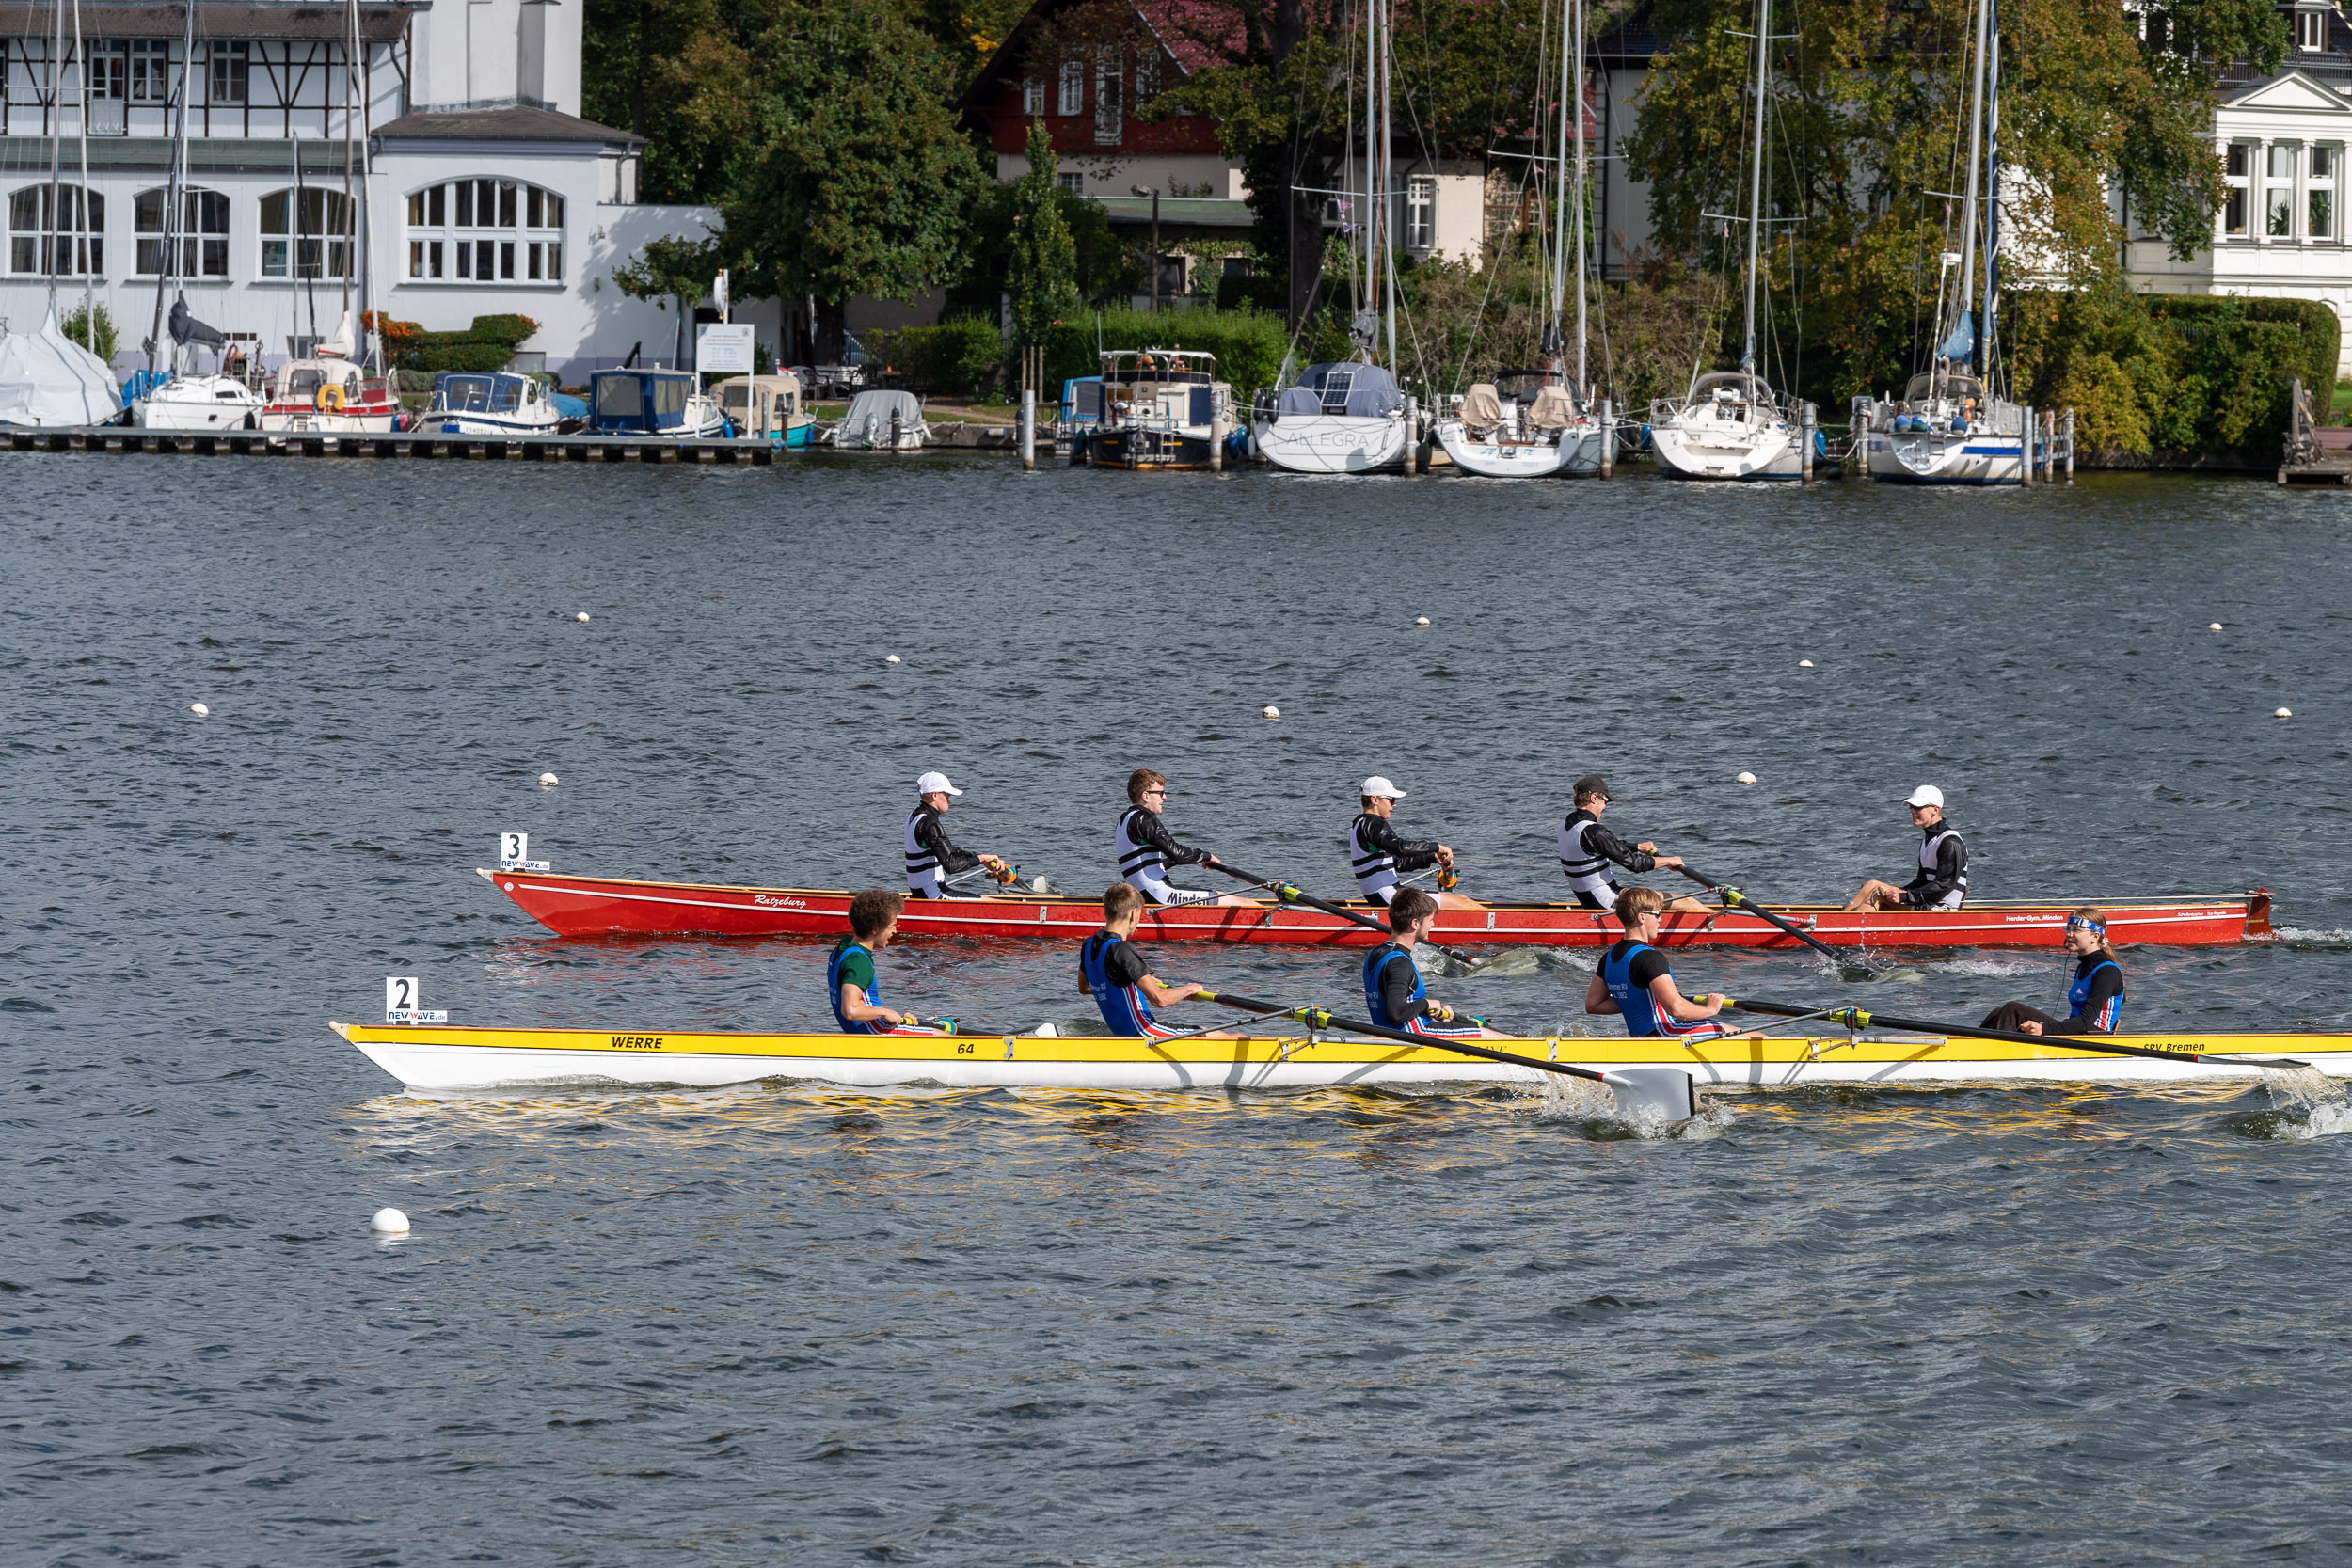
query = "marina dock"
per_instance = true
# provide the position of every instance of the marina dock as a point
(956, 436)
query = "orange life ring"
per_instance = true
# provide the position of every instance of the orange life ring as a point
(330, 398)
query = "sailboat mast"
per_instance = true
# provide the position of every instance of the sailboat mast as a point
(1388, 182)
(1560, 203)
(56, 134)
(90, 274)
(1976, 154)
(1756, 177)
(172, 196)
(1575, 84)
(1992, 185)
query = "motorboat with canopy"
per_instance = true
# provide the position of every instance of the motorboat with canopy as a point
(656, 402)
(767, 408)
(1161, 408)
(491, 402)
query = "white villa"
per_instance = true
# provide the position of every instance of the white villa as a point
(485, 193)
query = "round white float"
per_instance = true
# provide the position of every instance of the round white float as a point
(1271, 711)
(198, 710)
(546, 780)
(892, 660)
(581, 616)
(1747, 778)
(390, 1222)
(2284, 713)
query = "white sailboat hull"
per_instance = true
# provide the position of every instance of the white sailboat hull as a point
(1941, 458)
(197, 403)
(1576, 453)
(1722, 449)
(1333, 443)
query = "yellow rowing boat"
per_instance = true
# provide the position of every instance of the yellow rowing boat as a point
(443, 1057)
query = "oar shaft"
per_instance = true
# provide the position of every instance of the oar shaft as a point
(1317, 1018)
(1734, 898)
(1290, 894)
(1862, 1017)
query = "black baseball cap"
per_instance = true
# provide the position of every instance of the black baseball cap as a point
(1591, 784)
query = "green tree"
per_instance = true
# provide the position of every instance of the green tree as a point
(98, 336)
(678, 74)
(1041, 271)
(859, 178)
(677, 270)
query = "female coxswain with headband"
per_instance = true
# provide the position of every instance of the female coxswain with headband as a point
(2097, 995)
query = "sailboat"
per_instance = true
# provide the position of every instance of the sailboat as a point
(177, 397)
(1729, 426)
(1949, 428)
(1349, 417)
(1541, 425)
(48, 380)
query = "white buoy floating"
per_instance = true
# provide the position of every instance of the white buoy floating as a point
(1747, 778)
(198, 710)
(1805, 664)
(2284, 713)
(1420, 620)
(892, 660)
(390, 1222)
(546, 780)
(1271, 711)
(581, 616)
(2215, 626)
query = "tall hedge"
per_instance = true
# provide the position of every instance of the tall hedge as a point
(956, 358)
(1248, 345)
(2168, 379)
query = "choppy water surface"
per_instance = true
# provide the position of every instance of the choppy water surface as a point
(782, 1323)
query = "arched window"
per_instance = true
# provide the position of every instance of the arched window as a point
(77, 246)
(310, 237)
(202, 233)
(487, 231)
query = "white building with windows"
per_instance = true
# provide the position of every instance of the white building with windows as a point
(2279, 234)
(484, 193)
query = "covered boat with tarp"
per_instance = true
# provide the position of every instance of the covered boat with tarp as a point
(880, 421)
(1523, 424)
(1340, 417)
(659, 402)
(489, 403)
(49, 382)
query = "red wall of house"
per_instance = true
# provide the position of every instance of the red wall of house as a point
(1074, 135)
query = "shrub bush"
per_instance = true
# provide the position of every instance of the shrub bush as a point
(956, 358)
(486, 345)
(1248, 345)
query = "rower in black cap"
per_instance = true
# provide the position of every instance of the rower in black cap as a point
(1586, 850)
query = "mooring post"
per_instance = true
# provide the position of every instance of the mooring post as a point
(1804, 436)
(1028, 429)
(2069, 446)
(2024, 444)
(1608, 439)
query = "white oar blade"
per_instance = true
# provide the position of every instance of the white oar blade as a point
(1655, 1093)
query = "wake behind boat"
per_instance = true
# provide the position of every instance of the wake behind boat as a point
(440, 1057)
(607, 906)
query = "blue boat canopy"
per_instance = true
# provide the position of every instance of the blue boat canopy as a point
(478, 391)
(1365, 390)
(621, 400)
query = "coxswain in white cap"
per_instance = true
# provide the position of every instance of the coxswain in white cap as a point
(1942, 882)
(932, 857)
(1381, 860)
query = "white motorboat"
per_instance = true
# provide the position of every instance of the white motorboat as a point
(880, 421)
(496, 402)
(1163, 408)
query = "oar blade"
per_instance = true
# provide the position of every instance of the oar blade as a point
(1654, 1093)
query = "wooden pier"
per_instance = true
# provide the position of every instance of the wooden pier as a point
(953, 437)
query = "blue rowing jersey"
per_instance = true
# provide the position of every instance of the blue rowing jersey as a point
(2111, 1010)
(1123, 1006)
(852, 964)
(1634, 1000)
(1374, 964)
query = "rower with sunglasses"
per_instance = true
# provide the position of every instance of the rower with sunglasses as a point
(1146, 848)
(2097, 995)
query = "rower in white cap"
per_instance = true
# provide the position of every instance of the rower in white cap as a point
(1380, 858)
(1942, 879)
(931, 855)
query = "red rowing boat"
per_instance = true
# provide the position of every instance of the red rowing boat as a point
(605, 905)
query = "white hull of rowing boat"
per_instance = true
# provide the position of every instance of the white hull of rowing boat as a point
(443, 1060)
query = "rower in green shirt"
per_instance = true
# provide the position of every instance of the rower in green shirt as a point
(850, 973)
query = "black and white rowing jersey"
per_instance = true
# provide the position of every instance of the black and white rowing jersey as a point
(1942, 879)
(1586, 849)
(1377, 856)
(931, 855)
(1146, 850)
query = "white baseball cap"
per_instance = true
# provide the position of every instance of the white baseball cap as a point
(1381, 787)
(1925, 795)
(935, 783)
